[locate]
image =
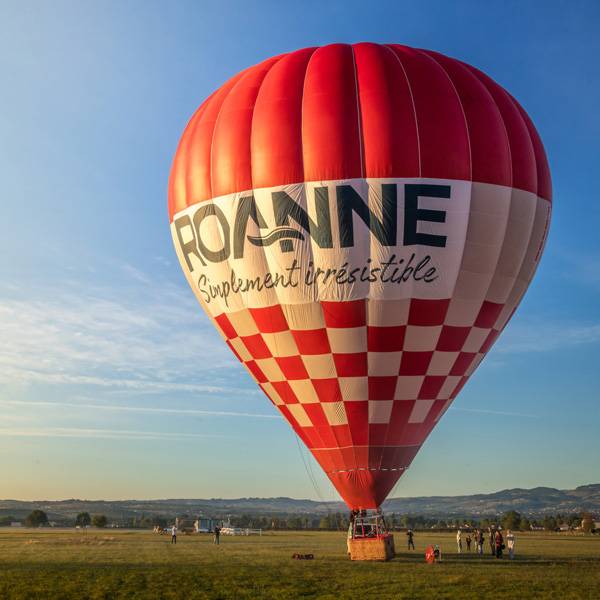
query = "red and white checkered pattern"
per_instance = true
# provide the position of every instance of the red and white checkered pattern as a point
(354, 378)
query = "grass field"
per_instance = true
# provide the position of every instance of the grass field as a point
(108, 564)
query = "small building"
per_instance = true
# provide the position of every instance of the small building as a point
(203, 525)
(16, 524)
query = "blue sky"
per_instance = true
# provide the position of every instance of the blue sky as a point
(112, 383)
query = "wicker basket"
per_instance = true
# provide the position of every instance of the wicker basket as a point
(377, 548)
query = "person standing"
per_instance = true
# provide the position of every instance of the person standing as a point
(468, 540)
(174, 534)
(499, 544)
(459, 541)
(217, 535)
(411, 542)
(480, 540)
(492, 533)
(510, 542)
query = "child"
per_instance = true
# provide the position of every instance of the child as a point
(510, 542)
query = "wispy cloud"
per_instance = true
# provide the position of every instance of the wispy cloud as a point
(111, 434)
(134, 273)
(501, 413)
(146, 337)
(135, 409)
(579, 267)
(539, 335)
(13, 418)
(139, 385)
(207, 413)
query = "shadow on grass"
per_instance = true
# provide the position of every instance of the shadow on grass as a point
(475, 559)
(402, 558)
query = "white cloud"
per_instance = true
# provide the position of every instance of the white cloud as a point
(501, 413)
(138, 385)
(112, 434)
(135, 409)
(13, 418)
(147, 337)
(136, 274)
(539, 335)
(580, 268)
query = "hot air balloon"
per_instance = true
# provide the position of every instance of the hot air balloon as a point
(360, 223)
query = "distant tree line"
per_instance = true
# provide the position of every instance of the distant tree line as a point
(337, 521)
(331, 522)
(510, 520)
(38, 518)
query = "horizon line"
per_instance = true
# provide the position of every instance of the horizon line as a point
(340, 501)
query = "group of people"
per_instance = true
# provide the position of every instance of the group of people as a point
(497, 542)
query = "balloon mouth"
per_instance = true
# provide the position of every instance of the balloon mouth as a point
(364, 476)
(364, 489)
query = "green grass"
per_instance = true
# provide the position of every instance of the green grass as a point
(48, 564)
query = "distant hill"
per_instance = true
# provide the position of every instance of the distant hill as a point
(535, 502)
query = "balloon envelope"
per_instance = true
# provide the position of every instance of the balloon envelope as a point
(360, 222)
